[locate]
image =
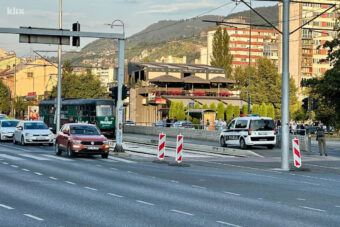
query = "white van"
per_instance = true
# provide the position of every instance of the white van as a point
(249, 131)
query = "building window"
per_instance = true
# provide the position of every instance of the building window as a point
(29, 74)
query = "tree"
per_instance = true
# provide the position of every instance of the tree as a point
(205, 106)
(221, 52)
(5, 98)
(180, 111)
(197, 106)
(271, 111)
(236, 111)
(173, 109)
(255, 109)
(229, 112)
(245, 109)
(220, 111)
(212, 106)
(263, 110)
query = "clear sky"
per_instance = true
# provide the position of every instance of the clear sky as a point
(94, 14)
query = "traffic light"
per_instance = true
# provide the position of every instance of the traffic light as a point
(76, 39)
(315, 104)
(125, 92)
(114, 93)
(305, 104)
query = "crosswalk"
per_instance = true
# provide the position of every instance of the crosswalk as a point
(50, 157)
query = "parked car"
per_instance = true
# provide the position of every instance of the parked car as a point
(7, 128)
(80, 138)
(183, 124)
(33, 132)
(130, 122)
(3, 116)
(249, 131)
(161, 123)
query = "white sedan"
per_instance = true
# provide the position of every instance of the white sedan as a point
(7, 128)
(33, 132)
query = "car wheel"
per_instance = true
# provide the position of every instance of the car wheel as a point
(57, 150)
(270, 146)
(243, 144)
(105, 155)
(0, 137)
(23, 141)
(222, 142)
(69, 151)
(50, 144)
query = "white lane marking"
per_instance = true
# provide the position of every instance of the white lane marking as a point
(93, 189)
(196, 186)
(10, 157)
(131, 172)
(40, 174)
(53, 178)
(174, 181)
(6, 207)
(69, 182)
(99, 165)
(337, 206)
(15, 166)
(16, 147)
(34, 157)
(109, 160)
(146, 203)
(6, 163)
(121, 159)
(115, 195)
(232, 193)
(260, 198)
(113, 168)
(327, 167)
(182, 212)
(229, 224)
(59, 158)
(153, 177)
(26, 170)
(300, 199)
(311, 208)
(33, 217)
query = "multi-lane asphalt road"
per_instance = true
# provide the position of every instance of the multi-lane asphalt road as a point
(38, 188)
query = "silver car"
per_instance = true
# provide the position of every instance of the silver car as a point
(33, 132)
(7, 128)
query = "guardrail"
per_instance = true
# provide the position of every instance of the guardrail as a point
(210, 127)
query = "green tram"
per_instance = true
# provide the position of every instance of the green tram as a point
(93, 111)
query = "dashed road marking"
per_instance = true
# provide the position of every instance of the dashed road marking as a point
(40, 174)
(182, 212)
(300, 199)
(34, 157)
(131, 172)
(93, 189)
(311, 208)
(6, 207)
(99, 165)
(15, 166)
(121, 160)
(197, 186)
(10, 157)
(174, 181)
(232, 193)
(33, 217)
(69, 182)
(113, 168)
(53, 178)
(115, 195)
(226, 223)
(5, 163)
(59, 158)
(337, 206)
(146, 203)
(26, 170)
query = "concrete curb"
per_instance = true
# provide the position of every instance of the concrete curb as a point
(197, 147)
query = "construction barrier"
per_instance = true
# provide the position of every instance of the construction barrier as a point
(161, 146)
(179, 149)
(296, 153)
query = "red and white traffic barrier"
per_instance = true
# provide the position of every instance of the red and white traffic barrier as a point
(161, 146)
(179, 149)
(296, 153)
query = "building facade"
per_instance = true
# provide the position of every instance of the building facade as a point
(306, 52)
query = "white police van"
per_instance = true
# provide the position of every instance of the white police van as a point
(249, 131)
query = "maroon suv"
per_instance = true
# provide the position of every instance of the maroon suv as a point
(79, 138)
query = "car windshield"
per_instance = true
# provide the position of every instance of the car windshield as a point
(8, 124)
(262, 125)
(35, 125)
(84, 130)
(2, 117)
(104, 110)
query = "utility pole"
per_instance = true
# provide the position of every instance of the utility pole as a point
(285, 88)
(59, 72)
(249, 99)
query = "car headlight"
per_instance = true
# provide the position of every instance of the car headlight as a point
(105, 142)
(51, 135)
(28, 134)
(76, 141)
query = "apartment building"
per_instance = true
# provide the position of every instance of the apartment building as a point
(306, 50)
(263, 44)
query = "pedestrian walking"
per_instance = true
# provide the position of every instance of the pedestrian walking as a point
(320, 137)
(208, 124)
(294, 128)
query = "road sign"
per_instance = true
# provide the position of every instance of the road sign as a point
(296, 153)
(44, 39)
(161, 146)
(179, 149)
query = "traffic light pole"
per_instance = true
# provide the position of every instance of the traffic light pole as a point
(119, 106)
(59, 73)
